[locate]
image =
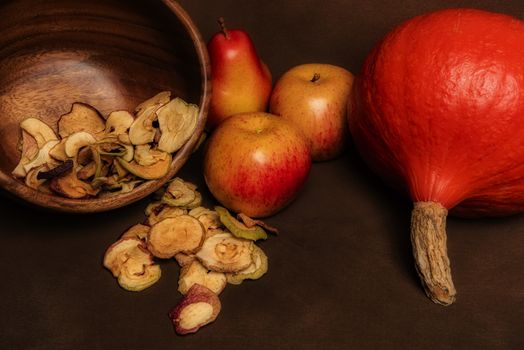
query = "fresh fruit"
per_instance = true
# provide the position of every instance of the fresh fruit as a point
(256, 163)
(315, 97)
(438, 111)
(241, 82)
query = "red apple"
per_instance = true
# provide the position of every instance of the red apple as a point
(256, 163)
(314, 97)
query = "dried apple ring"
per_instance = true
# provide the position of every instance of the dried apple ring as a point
(182, 234)
(195, 272)
(257, 269)
(224, 253)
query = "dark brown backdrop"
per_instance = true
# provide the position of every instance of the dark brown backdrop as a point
(341, 273)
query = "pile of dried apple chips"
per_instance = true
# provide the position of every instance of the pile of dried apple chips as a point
(91, 156)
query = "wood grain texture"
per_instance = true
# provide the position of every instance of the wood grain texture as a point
(107, 53)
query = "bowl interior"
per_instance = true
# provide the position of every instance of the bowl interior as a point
(107, 53)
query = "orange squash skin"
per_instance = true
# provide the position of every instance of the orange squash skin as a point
(438, 110)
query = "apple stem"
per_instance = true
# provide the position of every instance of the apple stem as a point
(316, 77)
(223, 27)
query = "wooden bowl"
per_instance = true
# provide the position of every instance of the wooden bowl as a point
(111, 54)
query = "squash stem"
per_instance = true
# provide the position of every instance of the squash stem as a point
(428, 239)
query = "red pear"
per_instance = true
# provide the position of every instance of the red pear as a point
(241, 81)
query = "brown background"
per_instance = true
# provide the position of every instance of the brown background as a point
(341, 273)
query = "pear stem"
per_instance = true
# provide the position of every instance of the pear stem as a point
(316, 77)
(428, 239)
(223, 28)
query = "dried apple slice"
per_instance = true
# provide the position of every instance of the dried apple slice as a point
(118, 122)
(152, 172)
(76, 141)
(164, 213)
(237, 228)
(82, 117)
(119, 169)
(184, 259)
(139, 231)
(209, 218)
(32, 180)
(39, 130)
(195, 272)
(146, 156)
(132, 264)
(87, 171)
(29, 149)
(182, 234)
(199, 307)
(177, 121)
(257, 269)
(157, 101)
(250, 222)
(71, 187)
(178, 193)
(142, 131)
(225, 253)
(58, 151)
(42, 157)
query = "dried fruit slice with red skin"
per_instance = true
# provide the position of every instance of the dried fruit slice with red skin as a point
(199, 307)
(195, 272)
(224, 253)
(237, 228)
(182, 234)
(254, 271)
(81, 117)
(250, 222)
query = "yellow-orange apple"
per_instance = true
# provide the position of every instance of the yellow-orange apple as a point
(314, 96)
(256, 163)
(241, 81)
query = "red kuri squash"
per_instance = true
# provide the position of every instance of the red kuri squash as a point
(438, 110)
